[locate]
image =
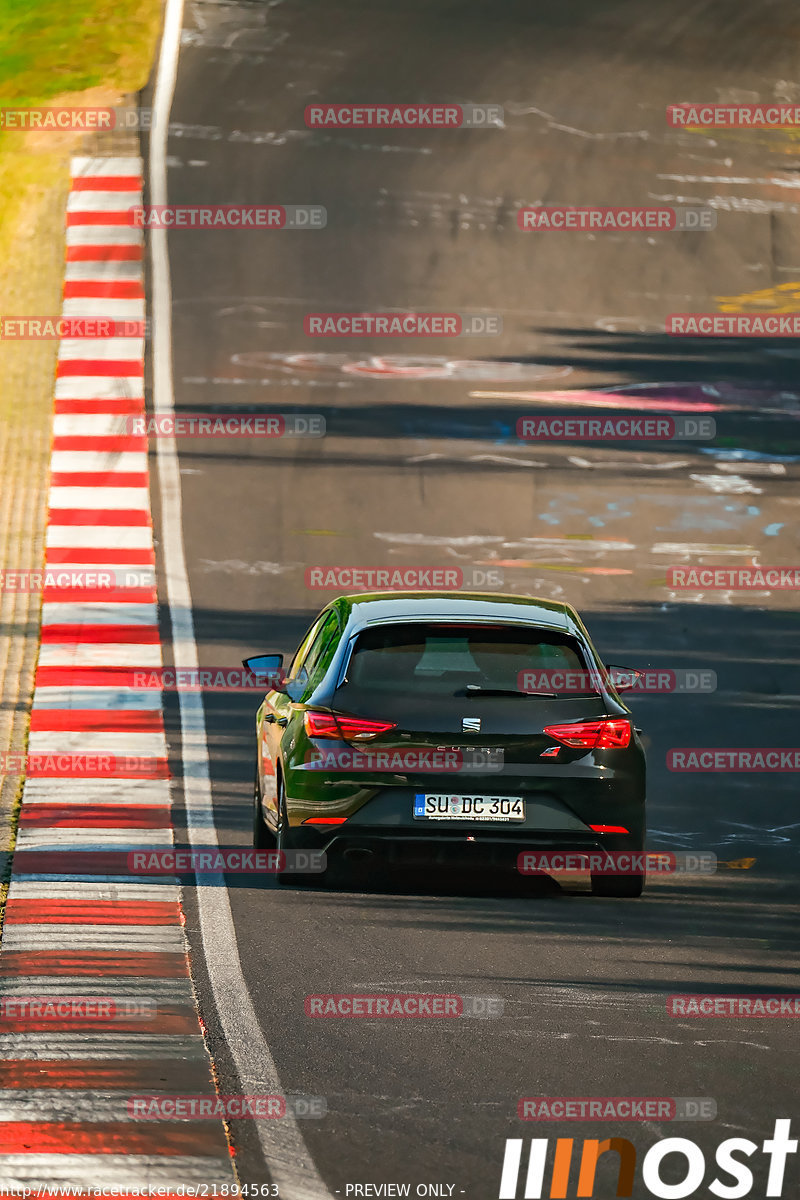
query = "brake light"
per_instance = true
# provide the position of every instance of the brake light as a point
(347, 729)
(609, 734)
(321, 725)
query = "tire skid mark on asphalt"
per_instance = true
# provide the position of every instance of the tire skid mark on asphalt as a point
(70, 930)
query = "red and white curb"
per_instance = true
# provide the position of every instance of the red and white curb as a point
(65, 1084)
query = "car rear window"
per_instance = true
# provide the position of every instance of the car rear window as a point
(441, 659)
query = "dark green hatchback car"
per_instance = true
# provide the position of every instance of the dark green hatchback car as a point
(448, 728)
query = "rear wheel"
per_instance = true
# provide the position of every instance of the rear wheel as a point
(284, 844)
(283, 836)
(263, 839)
(629, 886)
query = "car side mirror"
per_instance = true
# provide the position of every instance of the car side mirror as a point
(622, 679)
(268, 670)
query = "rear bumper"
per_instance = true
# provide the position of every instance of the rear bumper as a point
(454, 847)
(384, 823)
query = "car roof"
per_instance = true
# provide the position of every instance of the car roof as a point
(368, 608)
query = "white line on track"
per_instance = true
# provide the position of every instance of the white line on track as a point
(41, 1104)
(96, 741)
(89, 166)
(98, 612)
(89, 892)
(122, 1171)
(103, 790)
(60, 1046)
(62, 837)
(120, 310)
(91, 425)
(287, 1156)
(103, 235)
(76, 877)
(99, 654)
(98, 537)
(94, 937)
(98, 460)
(100, 497)
(125, 575)
(178, 991)
(100, 349)
(126, 698)
(111, 271)
(99, 387)
(100, 201)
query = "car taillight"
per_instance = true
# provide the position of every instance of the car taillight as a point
(347, 729)
(610, 734)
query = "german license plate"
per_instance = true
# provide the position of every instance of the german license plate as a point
(428, 807)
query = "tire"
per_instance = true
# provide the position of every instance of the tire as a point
(624, 886)
(283, 836)
(263, 839)
(284, 844)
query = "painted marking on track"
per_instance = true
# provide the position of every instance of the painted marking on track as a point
(607, 465)
(782, 298)
(287, 1156)
(727, 484)
(614, 400)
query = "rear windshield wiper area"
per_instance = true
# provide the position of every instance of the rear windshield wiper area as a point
(475, 689)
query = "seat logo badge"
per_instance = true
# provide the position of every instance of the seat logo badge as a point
(470, 724)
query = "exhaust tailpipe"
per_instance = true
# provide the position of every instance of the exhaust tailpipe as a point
(357, 854)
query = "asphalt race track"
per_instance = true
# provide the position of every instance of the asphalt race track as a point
(421, 466)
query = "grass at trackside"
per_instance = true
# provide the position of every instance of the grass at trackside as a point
(68, 52)
(60, 52)
(52, 47)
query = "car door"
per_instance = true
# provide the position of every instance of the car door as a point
(276, 708)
